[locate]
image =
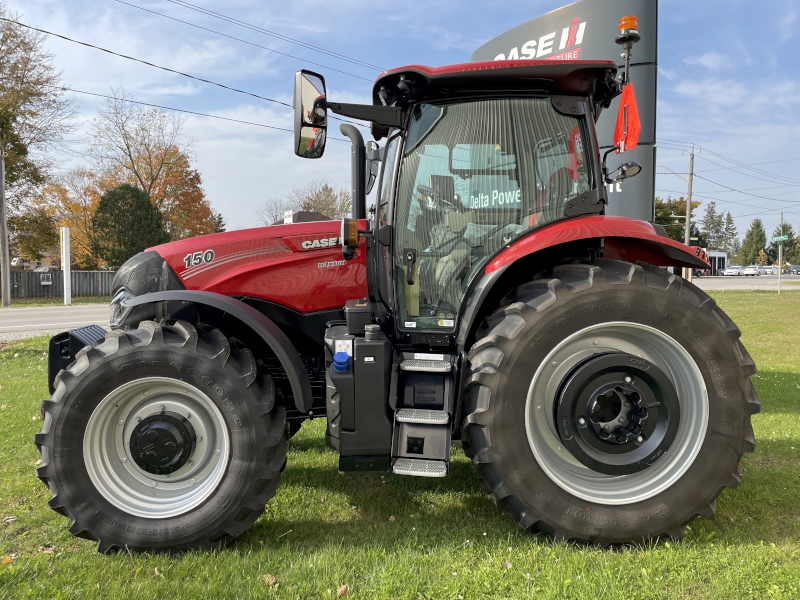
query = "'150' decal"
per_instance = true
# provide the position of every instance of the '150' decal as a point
(198, 258)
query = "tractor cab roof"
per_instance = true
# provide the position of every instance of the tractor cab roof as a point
(416, 83)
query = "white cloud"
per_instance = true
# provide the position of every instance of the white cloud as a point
(712, 60)
(787, 26)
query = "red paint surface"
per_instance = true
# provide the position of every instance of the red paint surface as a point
(270, 263)
(625, 238)
(489, 65)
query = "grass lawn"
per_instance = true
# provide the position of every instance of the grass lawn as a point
(28, 302)
(386, 536)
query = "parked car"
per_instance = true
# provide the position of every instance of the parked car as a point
(793, 269)
(770, 270)
(754, 270)
(733, 271)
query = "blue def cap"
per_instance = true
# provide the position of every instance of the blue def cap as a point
(341, 361)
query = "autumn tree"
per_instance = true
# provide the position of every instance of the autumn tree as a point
(178, 194)
(34, 115)
(143, 147)
(33, 231)
(74, 197)
(124, 224)
(671, 214)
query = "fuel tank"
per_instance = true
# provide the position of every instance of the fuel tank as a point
(299, 266)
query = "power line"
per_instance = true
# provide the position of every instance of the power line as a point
(182, 110)
(723, 157)
(742, 192)
(274, 34)
(149, 64)
(240, 40)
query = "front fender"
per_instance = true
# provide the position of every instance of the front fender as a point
(272, 335)
(621, 237)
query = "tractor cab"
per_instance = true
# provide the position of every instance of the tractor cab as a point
(476, 156)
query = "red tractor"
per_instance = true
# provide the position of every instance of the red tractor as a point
(484, 297)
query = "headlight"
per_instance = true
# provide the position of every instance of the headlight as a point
(118, 312)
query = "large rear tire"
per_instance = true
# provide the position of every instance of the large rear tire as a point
(608, 403)
(163, 437)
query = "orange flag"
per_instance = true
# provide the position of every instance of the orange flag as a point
(626, 133)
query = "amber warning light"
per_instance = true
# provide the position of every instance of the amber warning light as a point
(628, 22)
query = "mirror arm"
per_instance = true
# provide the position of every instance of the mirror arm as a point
(605, 168)
(357, 167)
(387, 116)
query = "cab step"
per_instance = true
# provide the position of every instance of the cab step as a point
(426, 366)
(422, 416)
(419, 468)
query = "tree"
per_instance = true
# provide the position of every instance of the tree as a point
(124, 224)
(179, 195)
(671, 214)
(33, 231)
(142, 146)
(762, 259)
(754, 241)
(74, 198)
(219, 222)
(731, 238)
(713, 227)
(789, 245)
(315, 196)
(34, 115)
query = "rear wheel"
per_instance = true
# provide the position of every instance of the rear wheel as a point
(608, 403)
(163, 437)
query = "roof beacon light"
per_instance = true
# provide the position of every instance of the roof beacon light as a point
(628, 36)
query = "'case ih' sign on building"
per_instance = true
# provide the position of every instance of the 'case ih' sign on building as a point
(581, 31)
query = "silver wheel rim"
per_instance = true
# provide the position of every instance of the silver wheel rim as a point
(639, 340)
(120, 480)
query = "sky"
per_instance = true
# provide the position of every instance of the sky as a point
(728, 81)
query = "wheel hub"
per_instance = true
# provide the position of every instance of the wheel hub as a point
(617, 413)
(162, 443)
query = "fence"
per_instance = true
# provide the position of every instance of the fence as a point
(28, 284)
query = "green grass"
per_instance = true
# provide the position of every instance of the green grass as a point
(393, 537)
(83, 300)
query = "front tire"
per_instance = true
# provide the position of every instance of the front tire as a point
(162, 437)
(547, 385)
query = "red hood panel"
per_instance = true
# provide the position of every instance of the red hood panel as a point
(299, 266)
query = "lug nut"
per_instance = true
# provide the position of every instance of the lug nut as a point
(191, 462)
(628, 379)
(640, 440)
(199, 438)
(138, 419)
(162, 407)
(621, 420)
(626, 404)
(121, 422)
(582, 422)
(605, 427)
(188, 415)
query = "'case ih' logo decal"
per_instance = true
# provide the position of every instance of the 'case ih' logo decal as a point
(323, 243)
(312, 241)
(542, 48)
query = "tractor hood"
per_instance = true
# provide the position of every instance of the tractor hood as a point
(299, 266)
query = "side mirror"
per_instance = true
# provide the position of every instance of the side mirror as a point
(374, 157)
(349, 237)
(310, 114)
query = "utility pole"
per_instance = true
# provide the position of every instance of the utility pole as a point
(780, 257)
(5, 261)
(687, 272)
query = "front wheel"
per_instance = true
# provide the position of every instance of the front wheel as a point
(163, 437)
(608, 403)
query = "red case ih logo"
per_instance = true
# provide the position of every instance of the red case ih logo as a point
(543, 47)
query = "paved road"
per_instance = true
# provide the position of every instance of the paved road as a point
(763, 282)
(18, 323)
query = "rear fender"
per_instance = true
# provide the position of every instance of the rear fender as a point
(620, 237)
(249, 317)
